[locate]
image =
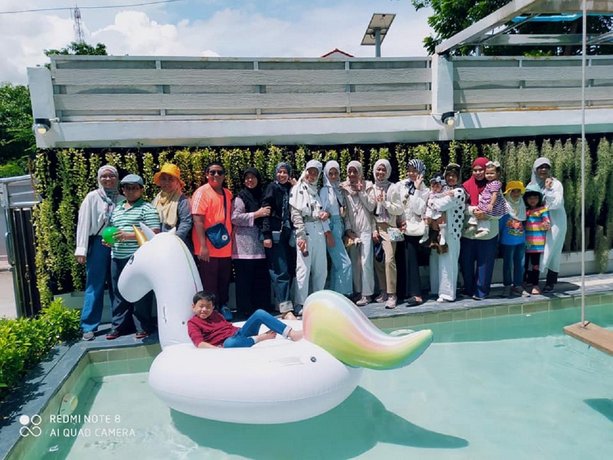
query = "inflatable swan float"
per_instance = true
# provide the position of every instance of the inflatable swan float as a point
(275, 381)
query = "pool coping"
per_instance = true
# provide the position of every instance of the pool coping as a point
(48, 377)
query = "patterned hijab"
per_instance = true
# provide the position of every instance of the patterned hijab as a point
(110, 196)
(418, 165)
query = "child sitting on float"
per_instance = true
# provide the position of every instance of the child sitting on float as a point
(209, 329)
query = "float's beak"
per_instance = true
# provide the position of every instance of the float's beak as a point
(140, 236)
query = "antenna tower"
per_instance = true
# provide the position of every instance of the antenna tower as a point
(78, 26)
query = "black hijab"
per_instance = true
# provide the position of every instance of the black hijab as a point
(251, 197)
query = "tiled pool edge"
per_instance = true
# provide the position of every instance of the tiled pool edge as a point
(433, 312)
(48, 379)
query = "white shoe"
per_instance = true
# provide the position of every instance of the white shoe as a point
(381, 298)
(391, 302)
(365, 300)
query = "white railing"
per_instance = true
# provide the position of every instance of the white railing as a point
(194, 88)
(125, 101)
(523, 83)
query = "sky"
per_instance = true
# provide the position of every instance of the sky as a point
(218, 28)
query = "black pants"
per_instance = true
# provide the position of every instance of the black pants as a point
(251, 285)
(411, 266)
(215, 276)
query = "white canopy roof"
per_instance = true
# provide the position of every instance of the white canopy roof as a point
(491, 30)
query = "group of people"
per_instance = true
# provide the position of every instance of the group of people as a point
(296, 237)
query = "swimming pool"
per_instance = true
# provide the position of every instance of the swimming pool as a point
(494, 387)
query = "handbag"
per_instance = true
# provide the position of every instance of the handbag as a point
(415, 228)
(395, 234)
(379, 252)
(218, 234)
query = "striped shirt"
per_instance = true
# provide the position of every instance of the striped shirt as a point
(536, 229)
(123, 218)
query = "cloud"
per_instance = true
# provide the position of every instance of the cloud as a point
(238, 31)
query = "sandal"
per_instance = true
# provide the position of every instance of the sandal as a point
(414, 302)
(113, 334)
(140, 335)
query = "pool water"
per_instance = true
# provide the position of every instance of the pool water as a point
(500, 387)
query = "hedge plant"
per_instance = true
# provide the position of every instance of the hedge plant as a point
(63, 178)
(24, 342)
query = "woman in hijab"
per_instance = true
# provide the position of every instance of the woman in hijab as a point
(312, 230)
(278, 235)
(553, 193)
(444, 267)
(333, 202)
(412, 195)
(252, 284)
(478, 254)
(385, 217)
(172, 205)
(94, 216)
(360, 200)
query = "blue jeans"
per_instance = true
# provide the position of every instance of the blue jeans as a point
(513, 264)
(279, 259)
(98, 273)
(243, 338)
(477, 263)
(341, 276)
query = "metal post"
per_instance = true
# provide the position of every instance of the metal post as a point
(377, 42)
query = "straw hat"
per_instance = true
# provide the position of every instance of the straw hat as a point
(171, 170)
(515, 185)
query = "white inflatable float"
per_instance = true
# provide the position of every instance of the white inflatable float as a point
(275, 381)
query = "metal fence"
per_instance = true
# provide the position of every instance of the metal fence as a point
(18, 198)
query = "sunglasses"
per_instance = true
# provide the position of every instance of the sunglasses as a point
(216, 172)
(130, 188)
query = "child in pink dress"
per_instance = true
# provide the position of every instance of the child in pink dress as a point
(490, 201)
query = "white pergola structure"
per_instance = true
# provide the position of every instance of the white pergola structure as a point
(125, 101)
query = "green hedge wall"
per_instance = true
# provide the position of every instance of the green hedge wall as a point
(64, 177)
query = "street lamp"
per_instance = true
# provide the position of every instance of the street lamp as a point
(377, 30)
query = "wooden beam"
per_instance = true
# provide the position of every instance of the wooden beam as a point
(593, 335)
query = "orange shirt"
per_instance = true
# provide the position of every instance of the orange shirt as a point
(207, 203)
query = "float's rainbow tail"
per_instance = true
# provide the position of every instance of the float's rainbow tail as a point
(334, 323)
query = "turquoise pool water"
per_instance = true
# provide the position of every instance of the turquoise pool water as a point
(509, 387)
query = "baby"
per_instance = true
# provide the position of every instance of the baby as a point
(491, 201)
(435, 236)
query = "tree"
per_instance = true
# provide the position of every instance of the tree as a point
(453, 16)
(79, 49)
(16, 136)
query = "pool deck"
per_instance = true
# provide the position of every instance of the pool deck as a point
(43, 382)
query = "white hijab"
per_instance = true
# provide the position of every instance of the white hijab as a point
(334, 188)
(303, 195)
